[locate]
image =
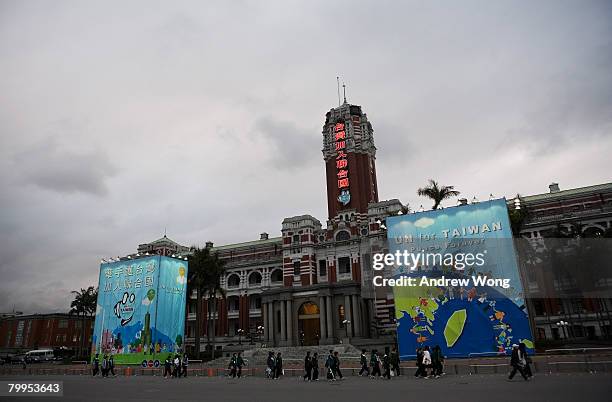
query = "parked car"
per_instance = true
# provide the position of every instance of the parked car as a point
(39, 356)
(18, 359)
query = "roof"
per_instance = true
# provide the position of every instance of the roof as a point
(568, 193)
(272, 240)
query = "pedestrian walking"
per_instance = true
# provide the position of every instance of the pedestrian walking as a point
(337, 372)
(375, 363)
(111, 365)
(233, 365)
(437, 361)
(315, 366)
(278, 366)
(168, 367)
(105, 366)
(363, 360)
(386, 364)
(329, 365)
(270, 363)
(239, 364)
(176, 366)
(185, 364)
(395, 361)
(420, 372)
(523, 350)
(307, 367)
(426, 361)
(517, 362)
(96, 365)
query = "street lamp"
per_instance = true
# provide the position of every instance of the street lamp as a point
(259, 331)
(346, 324)
(563, 324)
(240, 332)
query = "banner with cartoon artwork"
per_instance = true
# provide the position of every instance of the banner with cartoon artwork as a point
(140, 316)
(466, 295)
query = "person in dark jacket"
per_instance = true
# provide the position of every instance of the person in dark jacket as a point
(96, 365)
(363, 360)
(176, 366)
(233, 365)
(375, 363)
(105, 366)
(307, 367)
(185, 364)
(111, 365)
(278, 366)
(270, 363)
(437, 361)
(329, 365)
(315, 366)
(337, 371)
(527, 368)
(420, 372)
(386, 364)
(239, 364)
(517, 362)
(168, 367)
(395, 361)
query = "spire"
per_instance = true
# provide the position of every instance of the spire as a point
(338, 86)
(344, 90)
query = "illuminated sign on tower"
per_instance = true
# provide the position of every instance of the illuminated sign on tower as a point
(342, 164)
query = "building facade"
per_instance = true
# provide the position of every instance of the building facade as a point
(44, 331)
(313, 283)
(569, 305)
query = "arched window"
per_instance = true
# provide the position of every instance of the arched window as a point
(277, 275)
(343, 235)
(233, 281)
(255, 279)
(308, 308)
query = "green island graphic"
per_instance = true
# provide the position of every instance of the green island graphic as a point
(454, 327)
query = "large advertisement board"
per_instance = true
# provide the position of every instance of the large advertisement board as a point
(467, 296)
(140, 317)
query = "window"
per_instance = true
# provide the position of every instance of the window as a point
(277, 275)
(63, 324)
(255, 279)
(322, 267)
(296, 267)
(296, 238)
(233, 281)
(341, 314)
(344, 265)
(255, 302)
(343, 235)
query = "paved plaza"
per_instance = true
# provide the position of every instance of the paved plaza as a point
(555, 387)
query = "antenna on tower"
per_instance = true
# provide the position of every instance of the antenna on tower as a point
(338, 83)
(344, 89)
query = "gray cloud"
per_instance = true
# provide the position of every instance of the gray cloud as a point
(206, 119)
(53, 167)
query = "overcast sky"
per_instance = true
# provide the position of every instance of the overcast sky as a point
(120, 119)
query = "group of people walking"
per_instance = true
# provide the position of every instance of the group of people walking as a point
(389, 362)
(426, 359)
(274, 366)
(176, 367)
(235, 365)
(106, 366)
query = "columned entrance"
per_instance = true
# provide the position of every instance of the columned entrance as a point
(308, 324)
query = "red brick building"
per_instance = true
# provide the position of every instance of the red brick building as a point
(43, 331)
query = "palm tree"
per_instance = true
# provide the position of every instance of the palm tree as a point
(205, 272)
(84, 305)
(437, 193)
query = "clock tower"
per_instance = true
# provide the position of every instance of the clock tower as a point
(349, 154)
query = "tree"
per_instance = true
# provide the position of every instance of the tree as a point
(205, 272)
(437, 193)
(84, 305)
